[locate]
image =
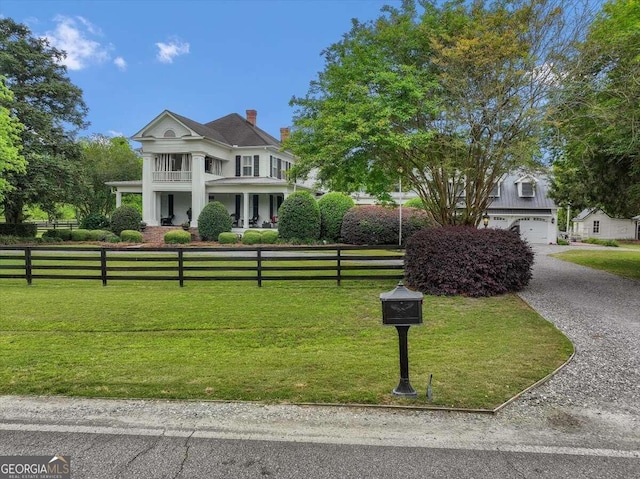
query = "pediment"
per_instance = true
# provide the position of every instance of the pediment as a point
(164, 126)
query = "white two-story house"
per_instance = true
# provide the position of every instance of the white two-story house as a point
(187, 164)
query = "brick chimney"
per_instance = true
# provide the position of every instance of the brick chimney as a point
(251, 116)
(284, 134)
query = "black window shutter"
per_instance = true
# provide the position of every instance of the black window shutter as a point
(271, 166)
(256, 165)
(238, 198)
(279, 168)
(238, 165)
(256, 205)
(270, 206)
(280, 200)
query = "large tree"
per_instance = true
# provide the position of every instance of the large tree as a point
(104, 159)
(450, 97)
(51, 109)
(11, 159)
(597, 117)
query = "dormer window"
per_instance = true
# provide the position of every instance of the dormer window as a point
(169, 134)
(495, 192)
(526, 186)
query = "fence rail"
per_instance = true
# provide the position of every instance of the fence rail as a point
(262, 263)
(56, 225)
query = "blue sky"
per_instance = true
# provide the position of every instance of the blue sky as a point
(200, 58)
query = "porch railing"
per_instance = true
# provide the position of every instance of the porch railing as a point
(172, 176)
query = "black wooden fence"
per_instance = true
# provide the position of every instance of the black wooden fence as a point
(261, 263)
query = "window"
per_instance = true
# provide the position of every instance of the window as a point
(247, 165)
(596, 227)
(526, 189)
(213, 166)
(274, 167)
(169, 134)
(495, 192)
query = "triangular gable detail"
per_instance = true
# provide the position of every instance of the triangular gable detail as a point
(526, 179)
(166, 114)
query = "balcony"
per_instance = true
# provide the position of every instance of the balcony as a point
(172, 176)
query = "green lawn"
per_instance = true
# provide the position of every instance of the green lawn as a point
(623, 263)
(284, 342)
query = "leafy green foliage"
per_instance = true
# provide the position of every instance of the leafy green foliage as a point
(27, 230)
(10, 145)
(269, 236)
(95, 221)
(79, 235)
(251, 237)
(333, 207)
(177, 237)
(448, 99)
(467, 261)
(602, 242)
(99, 235)
(227, 238)
(50, 107)
(375, 225)
(299, 217)
(112, 238)
(213, 220)
(131, 236)
(596, 117)
(63, 234)
(125, 218)
(414, 203)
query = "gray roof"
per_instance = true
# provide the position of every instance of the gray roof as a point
(199, 128)
(238, 131)
(518, 211)
(583, 214)
(509, 198)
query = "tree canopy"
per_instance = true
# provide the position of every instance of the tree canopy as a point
(51, 109)
(103, 159)
(11, 160)
(597, 117)
(450, 97)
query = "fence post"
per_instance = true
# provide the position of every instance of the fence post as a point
(259, 258)
(103, 265)
(27, 265)
(339, 266)
(180, 268)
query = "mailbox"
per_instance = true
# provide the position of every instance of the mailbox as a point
(401, 307)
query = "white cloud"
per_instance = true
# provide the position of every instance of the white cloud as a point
(73, 36)
(120, 63)
(168, 51)
(114, 133)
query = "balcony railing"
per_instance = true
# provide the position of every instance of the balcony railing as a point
(162, 176)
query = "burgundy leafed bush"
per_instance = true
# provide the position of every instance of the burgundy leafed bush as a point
(374, 225)
(459, 260)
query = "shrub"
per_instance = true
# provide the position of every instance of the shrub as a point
(177, 237)
(10, 239)
(414, 203)
(227, 238)
(24, 230)
(251, 237)
(125, 218)
(64, 235)
(562, 242)
(213, 220)
(98, 235)
(269, 236)
(130, 236)
(466, 261)
(299, 217)
(333, 207)
(112, 238)
(79, 235)
(601, 242)
(373, 225)
(95, 221)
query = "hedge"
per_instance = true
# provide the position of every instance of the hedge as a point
(299, 217)
(333, 207)
(131, 236)
(379, 225)
(213, 220)
(24, 230)
(177, 237)
(227, 238)
(125, 218)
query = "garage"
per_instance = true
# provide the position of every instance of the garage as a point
(534, 230)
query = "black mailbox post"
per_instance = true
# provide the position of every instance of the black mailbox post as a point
(402, 308)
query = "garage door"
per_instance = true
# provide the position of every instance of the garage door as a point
(534, 231)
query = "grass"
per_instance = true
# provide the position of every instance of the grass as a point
(622, 263)
(284, 342)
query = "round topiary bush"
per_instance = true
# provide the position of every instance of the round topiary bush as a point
(251, 237)
(466, 261)
(98, 235)
(112, 238)
(299, 217)
(177, 237)
(95, 221)
(227, 238)
(125, 218)
(373, 225)
(269, 237)
(130, 236)
(80, 235)
(213, 220)
(333, 207)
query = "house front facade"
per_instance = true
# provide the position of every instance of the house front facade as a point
(595, 223)
(187, 164)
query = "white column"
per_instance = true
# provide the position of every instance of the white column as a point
(245, 209)
(149, 212)
(118, 198)
(197, 187)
